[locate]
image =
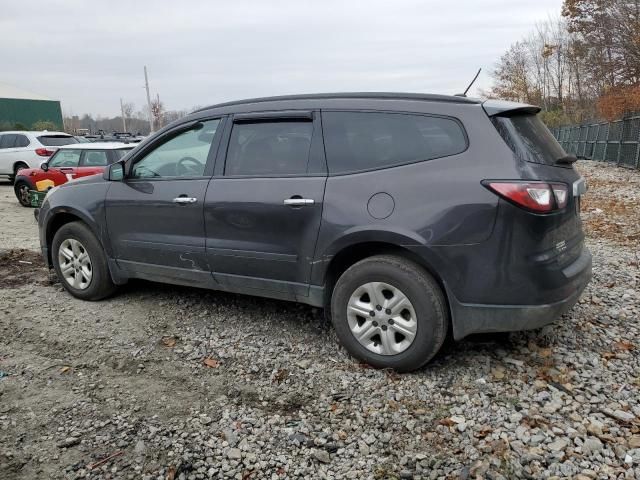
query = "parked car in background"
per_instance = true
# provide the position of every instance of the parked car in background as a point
(28, 149)
(407, 216)
(67, 163)
(81, 139)
(123, 137)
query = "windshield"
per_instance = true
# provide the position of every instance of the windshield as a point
(56, 140)
(529, 138)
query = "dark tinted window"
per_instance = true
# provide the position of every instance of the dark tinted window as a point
(21, 141)
(363, 140)
(7, 140)
(269, 148)
(529, 138)
(56, 140)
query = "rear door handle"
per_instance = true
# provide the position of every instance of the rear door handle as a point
(298, 202)
(184, 200)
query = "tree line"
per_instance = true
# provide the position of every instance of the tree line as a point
(582, 65)
(135, 121)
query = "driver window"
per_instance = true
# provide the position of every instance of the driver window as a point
(182, 156)
(65, 158)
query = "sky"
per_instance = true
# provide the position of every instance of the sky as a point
(88, 54)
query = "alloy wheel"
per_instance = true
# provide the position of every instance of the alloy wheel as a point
(75, 264)
(24, 197)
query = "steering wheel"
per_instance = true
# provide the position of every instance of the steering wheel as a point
(189, 166)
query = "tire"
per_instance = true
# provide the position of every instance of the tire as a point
(21, 189)
(389, 278)
(94, 279)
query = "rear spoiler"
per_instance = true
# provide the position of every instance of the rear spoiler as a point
(505, 108)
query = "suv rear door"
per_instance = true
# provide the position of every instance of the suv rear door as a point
(7, 141)
(263, 207)
(154, 215)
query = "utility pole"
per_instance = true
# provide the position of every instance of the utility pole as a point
(158, 107)
(124, 119)
(146, 85)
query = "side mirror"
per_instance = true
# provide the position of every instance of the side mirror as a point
(44, 166)
(114, 172)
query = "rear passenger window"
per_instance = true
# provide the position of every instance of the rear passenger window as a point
(269, 148)
(7, 140)
(367, 140)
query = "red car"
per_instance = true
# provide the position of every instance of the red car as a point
(69, 162)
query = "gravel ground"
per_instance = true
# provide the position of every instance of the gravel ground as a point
(163, 382)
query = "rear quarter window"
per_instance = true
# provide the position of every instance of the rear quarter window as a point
(56, 140)
(356, 141)
(21, 141)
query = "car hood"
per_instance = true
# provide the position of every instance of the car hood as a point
(97, 178)
(27, 172)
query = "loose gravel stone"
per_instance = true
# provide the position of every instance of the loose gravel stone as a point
(123, 381)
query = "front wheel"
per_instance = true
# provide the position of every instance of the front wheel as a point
(389, 312)
(80, 262)
(22, 190)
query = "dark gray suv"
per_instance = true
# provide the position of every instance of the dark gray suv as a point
(407, 216)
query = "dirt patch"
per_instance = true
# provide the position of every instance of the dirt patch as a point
(22, 267)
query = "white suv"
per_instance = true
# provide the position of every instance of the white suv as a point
(20, 150)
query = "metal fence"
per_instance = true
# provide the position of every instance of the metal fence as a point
(617, 142)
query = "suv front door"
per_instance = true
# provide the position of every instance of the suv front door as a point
(264, 205)
(154, 215)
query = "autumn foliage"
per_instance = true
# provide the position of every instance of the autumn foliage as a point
(579, 66)
(619, 101)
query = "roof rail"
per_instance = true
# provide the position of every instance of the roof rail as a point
(348, 95)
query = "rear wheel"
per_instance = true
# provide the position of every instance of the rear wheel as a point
(389, 312)
(16, 168)
(22, 189)
(80, 262)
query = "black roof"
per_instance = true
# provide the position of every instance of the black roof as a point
(372, 95)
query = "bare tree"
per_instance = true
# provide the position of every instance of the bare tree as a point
(157, 111)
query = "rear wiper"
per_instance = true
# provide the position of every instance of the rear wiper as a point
(567, 159)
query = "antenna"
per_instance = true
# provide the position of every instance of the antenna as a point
(470, 85)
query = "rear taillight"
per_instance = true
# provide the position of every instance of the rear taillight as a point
(44, 152)
(539, 197)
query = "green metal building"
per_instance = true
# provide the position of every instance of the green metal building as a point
(21, 110)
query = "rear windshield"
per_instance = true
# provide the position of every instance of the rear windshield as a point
(56, 140)
(529, 138)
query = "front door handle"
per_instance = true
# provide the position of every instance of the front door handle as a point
(298, 201)
(184, 200)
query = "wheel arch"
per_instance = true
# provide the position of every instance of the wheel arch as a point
(61, 217)
(352, 253)
(14, 168)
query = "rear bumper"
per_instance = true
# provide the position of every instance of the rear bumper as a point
(471, 318)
